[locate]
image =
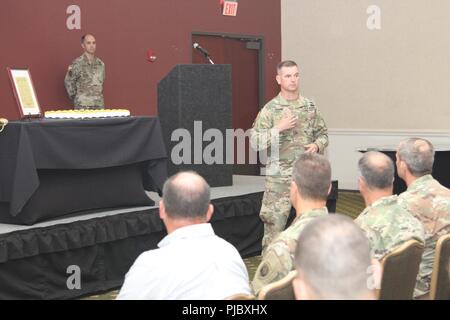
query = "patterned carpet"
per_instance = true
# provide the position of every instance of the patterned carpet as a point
(348, 203)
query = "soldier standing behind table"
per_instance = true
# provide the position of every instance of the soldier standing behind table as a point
(286, 127)
(85, 77)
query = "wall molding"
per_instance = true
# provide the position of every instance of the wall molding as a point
(390, 132)
(344, 145)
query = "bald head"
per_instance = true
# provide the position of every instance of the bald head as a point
(186, 195)
(418, 155)
(377, 169)
(332, 257)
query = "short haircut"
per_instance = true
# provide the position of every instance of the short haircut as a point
(186, 195)
(286, 63)
(312, 175)
(418, 154)
(84, 37)
(333, 257)
(377, 169)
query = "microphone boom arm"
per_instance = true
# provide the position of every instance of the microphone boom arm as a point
(205, 53)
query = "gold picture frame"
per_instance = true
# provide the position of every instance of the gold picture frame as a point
(24, 92)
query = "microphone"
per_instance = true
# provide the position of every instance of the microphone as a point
(3, 123)
(199, 48)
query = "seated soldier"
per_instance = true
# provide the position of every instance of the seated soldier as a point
(385, 222)
(426, 199)
(309, 191)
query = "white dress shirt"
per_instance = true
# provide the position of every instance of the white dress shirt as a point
(191, 263)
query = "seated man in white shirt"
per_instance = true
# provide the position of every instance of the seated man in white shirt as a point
(191, 262)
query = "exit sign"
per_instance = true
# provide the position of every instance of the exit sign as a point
(230, 8)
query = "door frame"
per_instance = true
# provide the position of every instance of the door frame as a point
(261, 68)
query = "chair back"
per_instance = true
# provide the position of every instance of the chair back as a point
(279, 290)
(400, 269)
(440, 278)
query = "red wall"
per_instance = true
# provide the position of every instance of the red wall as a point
(34, 35)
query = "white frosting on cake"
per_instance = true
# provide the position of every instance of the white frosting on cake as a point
(87, 113)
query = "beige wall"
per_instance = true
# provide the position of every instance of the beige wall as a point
(394, 78)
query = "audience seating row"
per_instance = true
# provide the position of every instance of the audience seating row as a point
(400, 268)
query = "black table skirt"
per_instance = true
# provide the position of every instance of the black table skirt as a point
(34, 262)
(50, 168)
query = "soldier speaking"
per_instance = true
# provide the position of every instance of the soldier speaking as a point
(298, 127)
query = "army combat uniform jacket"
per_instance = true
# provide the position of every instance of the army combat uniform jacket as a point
(388, 225)
(310, 128)
(281, 151)
(429, 202)
(278, 260)
(84, 82)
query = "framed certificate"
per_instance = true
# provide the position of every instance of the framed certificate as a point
(24, 92)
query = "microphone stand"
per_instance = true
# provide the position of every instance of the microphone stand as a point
(205, 53)
(209, 59)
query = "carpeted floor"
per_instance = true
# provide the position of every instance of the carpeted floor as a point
(348, 203)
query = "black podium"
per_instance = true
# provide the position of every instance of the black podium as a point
(194, 104)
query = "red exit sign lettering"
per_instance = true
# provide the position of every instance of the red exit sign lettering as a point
(230, 8)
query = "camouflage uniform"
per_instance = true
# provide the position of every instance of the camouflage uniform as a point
(84, 83)
(429, 202)
(387, 225)
(310, 128)
(278, 259)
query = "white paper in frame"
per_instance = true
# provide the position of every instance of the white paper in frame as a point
(24, 92)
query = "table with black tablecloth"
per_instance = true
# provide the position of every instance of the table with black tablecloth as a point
(52, 168)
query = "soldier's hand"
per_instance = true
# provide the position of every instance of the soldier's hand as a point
(287, 122)
(69, 68)
(311, 148)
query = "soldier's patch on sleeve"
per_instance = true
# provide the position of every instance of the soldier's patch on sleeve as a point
(271, 269)
(264, 271)
(271, 265)
(263, 276)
